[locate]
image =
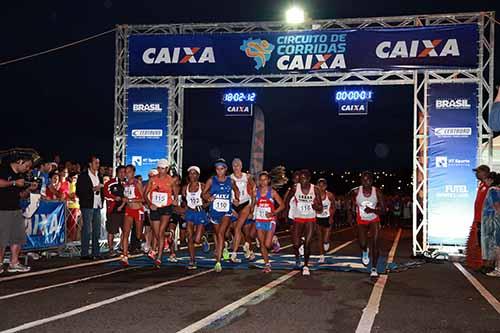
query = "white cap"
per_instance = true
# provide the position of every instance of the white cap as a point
(195, 168)
(163, 163)
(153, 172)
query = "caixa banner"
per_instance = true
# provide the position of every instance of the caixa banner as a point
(453, 144)
(45, 227)
(147, 128)
(304, 51)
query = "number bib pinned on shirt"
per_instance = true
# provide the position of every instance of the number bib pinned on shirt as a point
(159, 199)
(221, 205)
(129, 192)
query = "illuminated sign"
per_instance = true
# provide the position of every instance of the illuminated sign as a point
(238, 103)
(353, 102)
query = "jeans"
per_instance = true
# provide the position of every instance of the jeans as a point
(91, 224)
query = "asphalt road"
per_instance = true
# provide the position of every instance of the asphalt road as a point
(431, 298)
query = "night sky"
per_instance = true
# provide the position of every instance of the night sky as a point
(63, 102)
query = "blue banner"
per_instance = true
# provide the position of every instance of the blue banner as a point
(46, 228)
(312, 51)
(453, 145)
(147, 128)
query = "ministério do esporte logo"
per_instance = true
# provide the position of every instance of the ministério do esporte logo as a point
(444, 162)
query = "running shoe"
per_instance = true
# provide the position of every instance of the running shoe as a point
(321, 259)
(206, 245)
(124, 261)
(246, 249)
(18, 268)
(494, 273)
(366, 257)
(145, 248)
(374, 273)
(267, 268)
(305, 271)
(192, 266)
(152, 255)
(326, 246)
(225, 254)
(173, 258)
(1, 269)
(252, 256)
(158, 263)
(218, 267)
(235, 259)
(301, 250)
(276, 245)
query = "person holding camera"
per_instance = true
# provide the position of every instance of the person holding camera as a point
(12, 229)
(89, 190)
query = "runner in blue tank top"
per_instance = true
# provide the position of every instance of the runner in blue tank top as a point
(217, 191)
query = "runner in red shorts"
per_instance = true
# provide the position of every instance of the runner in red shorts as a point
(134, 211)
(368, 202)
(307, 201)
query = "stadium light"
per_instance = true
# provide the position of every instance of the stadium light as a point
(295, 15)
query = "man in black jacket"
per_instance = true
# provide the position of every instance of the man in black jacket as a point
(89, 191)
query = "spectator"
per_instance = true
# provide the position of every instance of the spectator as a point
(43, 173)
(89, 191)
(115, 213)
(74, 210)
(12, 230)
(473, 252)
(490, 226)
(52, 191)
(64, 184)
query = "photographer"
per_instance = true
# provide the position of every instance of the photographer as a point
(12, 229)
(89, 190)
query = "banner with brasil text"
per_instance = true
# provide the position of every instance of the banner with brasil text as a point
(304, 51)
(453, 142)
(147, 128)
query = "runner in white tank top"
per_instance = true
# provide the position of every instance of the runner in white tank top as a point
(308, 201)
(324, 219)
(246, 186)
(195, 215)
(368, 204)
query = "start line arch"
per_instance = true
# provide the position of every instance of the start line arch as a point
(447, 58)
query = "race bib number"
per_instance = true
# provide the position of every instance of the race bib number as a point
(129, 192)
(159, 199)
(261, 213)
(194, 202)
(304, 207)
(221, 205)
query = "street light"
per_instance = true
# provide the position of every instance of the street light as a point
(295, 15)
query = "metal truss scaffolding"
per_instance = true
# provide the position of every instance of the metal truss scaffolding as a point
(420, 80)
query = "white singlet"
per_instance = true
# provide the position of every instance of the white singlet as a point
(242, 184)
(326, 207)
(194, 198)
(362, 202)
(304, 211)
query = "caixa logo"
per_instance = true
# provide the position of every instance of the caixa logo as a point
(454, 104)
(179, 55)
(147, 133)
(146, 108)
(418, 49)
(453, 132)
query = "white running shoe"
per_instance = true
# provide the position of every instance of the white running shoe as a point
(366, 257)
(252, 256)
(18, 268)
(374, 273)
(305, 271)
(321, 259)
(235, 259)
(494, 273)
(301, 250)
(173, 258)
(326, 246)
(246, 249)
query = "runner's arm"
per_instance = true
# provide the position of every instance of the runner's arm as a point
(236, 191)
(279, 201)
(317, 204)
(331, 197)
(206, 191)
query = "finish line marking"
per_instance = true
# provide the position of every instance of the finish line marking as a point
(225, 311)
(482, 290)
(371, 310)
(64, 283)
(100, 304)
